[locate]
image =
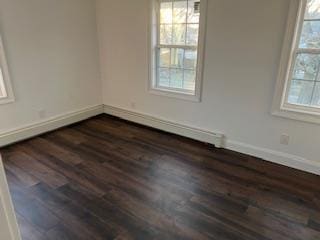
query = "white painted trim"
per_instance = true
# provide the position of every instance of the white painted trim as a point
(165, 125)
(298, 115)
(278, 157)
(286, 56)
(6, 77)
(50, 124)
(280, 107)
(174, 94)
(153, 40)
(6, 203)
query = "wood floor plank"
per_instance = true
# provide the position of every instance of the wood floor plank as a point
(59, 152)
(27, 179)
(28, 230)
(61, 232)
(86, 225)
(39, 170)
(33, 211)
(70, 172)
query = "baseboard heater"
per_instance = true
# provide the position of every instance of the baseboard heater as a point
(194, 133)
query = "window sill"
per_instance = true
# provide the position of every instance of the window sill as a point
(175, 94)
(299, 114)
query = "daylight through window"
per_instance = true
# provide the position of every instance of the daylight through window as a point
(177, 55)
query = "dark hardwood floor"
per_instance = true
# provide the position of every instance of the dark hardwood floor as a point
(105, 178)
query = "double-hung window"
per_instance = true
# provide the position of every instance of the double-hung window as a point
(6, 94)
(298, 88)
(177, 47)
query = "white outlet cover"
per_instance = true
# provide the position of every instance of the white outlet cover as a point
(42, 113)
(284, 139)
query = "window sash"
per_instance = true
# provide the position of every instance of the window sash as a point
(170, 67)
(174, 46)
(155, 47)
(290, 48)
(296, 50)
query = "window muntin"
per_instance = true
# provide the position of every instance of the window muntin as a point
(304, 86)
(177, 49)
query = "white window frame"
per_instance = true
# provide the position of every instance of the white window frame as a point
(153, 35)
(6, 84)
(280, 105)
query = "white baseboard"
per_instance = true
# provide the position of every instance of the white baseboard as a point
(217, 139)
(278, 157)
(47, 125)
(168, 126)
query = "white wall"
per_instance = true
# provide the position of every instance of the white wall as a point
(243, 45)
(52, 53)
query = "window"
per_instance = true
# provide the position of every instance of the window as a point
(177, 47)
(298, 89)
(6, 94)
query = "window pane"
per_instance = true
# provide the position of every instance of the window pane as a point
(177, 57)
(166, 12)
(310, 36)
(164, 57)
(313, 9)
(176, 80)
(189, 82)
(190, 59)
(306, 66)
(316, 95)
(180, 11)
(179, 34)
(165, 34)
(300, 92)
(192, 34)
(193, 13)
(2, 89)
(164, 77)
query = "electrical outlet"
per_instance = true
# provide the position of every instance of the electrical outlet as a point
(284, 139)
(133, 105)
(42, 113)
